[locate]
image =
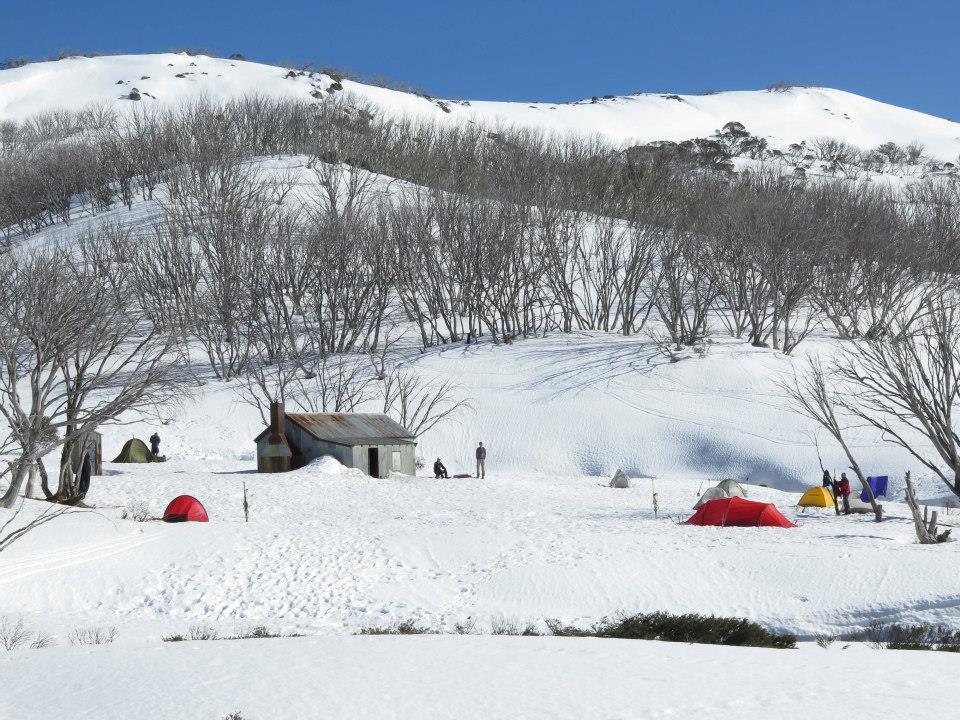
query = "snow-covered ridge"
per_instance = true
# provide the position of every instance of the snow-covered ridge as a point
(782, 117)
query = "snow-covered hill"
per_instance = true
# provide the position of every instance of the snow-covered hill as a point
(782, 117)
(582, 403)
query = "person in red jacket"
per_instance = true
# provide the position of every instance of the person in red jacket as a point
(844, 491)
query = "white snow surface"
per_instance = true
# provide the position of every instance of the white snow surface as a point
(328, 550)
(782, 117)
(470, 678)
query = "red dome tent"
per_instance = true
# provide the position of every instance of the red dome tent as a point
(185, 508)
(737, 512)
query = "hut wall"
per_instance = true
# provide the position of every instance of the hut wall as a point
(405, 462)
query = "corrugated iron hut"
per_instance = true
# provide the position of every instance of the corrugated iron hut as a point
(369, 442)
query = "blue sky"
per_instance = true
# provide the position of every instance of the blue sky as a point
(900, 52)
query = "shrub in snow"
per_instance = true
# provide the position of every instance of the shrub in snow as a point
(500, 626)
(260, 631)
(136, 510)
(689, 628)
(42, 640)
(93, 636)
(403, 627)
(874, 633)
(914, 637)
(13, 634)
(202, 632)
(824, 641)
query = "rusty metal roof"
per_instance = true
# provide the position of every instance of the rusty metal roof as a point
(353, 428)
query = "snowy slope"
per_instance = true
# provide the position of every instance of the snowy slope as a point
(570, 404)
(782, 117)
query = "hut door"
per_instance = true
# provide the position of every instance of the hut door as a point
(373, 462)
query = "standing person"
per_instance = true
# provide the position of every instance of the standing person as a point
(830, 485)
(844, 488)
(481, 461)
(439, 471)
(155, 444)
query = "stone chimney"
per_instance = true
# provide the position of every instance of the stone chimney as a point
(275, 455)
(277, 423)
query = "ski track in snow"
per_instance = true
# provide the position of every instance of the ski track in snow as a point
(17, 570)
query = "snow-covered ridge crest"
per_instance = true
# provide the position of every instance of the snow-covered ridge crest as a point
(782, 117)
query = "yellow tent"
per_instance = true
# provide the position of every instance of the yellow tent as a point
(817, 497)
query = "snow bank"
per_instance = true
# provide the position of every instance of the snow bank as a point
(486, 678)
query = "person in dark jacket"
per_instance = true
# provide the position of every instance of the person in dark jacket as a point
(155, 444)
(481, 461)
(843, 489)
(439, 471)
(830, 485)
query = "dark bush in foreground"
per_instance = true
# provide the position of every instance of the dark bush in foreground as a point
(922, 637)
(689, 628)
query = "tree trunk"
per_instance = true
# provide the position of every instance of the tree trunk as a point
(18, 474)
(31, 491)
(44, 480)
(926, 534)
(68, 483)
(877, 509)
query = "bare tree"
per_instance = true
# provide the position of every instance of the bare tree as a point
(814, 397)
(336, 383)
(417, 404)
(75, 354)
(908, 386)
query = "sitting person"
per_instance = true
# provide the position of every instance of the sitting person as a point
(439, 471)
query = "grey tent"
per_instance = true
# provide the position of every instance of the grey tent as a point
(714, 493)
(732, 487)
(620, 480)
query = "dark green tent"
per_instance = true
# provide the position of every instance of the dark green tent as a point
(134, 451)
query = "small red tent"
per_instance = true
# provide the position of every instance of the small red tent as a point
(185, 508)
(737, 512)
